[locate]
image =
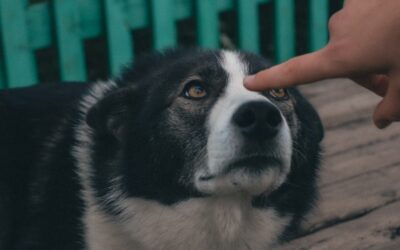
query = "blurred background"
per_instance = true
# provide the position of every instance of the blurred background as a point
(52, 40)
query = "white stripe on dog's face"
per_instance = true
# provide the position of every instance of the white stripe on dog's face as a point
(220, 118)
(224, 142)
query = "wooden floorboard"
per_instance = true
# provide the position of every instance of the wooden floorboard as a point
(357, 136)
(359, 161)
(377, 230)
(340, 102)
(359, 206)
(356, 196)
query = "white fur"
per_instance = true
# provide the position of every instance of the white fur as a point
(83, 134)
(81, 153)
(224, 144)
(223, 223)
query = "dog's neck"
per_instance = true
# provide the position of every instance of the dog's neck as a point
(198, 223)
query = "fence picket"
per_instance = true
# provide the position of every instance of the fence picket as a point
(68, 39)
(318, 34)
(248, 26)
(27, 26)
(118, 35)
(90, 14)
(39, 25)
(19, 63)
(284, 30)
(163, 23)
(3, 84)
(2, 78)
(207, 23)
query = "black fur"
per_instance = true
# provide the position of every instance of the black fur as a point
(40, 206)
(139, 133)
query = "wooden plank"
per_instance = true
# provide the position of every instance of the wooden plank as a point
(19, 62)
(341, 101)
(91, 19)
(39, 22)
(225, 4)
(392, 242)
(377, 230)
(318, 28)
(138, 13)
(356, 136)
(119, 40)
(361, 165)
(163, 24)
(356, 162)
(90, 15)
(2, 78)
(137, 17)
(68, 39)
(355, 107)
(248, 25)
(207, 23)
(331, 90)
(39, 25)
(284, 30)
(355, 197)
(185, 9)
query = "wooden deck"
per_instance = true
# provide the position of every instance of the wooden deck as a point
(359, 207)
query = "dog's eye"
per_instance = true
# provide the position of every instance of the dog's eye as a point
(278, 93)
(194, 90)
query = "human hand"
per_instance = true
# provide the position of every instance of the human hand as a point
(364, 46)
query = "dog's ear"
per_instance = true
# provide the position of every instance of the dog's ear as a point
(107, 115)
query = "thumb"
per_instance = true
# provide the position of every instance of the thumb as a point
(388, 110)
(298, 70)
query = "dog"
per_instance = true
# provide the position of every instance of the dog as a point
(174, 153)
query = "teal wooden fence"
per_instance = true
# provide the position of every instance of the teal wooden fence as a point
(27, 26)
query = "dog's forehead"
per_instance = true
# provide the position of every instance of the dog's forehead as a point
(236, 67)
(233, 64)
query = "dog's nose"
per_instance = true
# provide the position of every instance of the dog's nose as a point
(258, 119)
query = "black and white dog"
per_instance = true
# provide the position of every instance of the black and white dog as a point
(173, 154)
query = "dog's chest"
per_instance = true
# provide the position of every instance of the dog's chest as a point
(201, 223)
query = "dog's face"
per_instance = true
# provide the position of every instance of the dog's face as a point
(248, 137)
(182, 125)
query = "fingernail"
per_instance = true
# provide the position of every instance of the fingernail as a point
(381, 124)
(248, 80)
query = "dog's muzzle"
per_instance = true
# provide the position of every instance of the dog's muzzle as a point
(257, 121)
(251, 154)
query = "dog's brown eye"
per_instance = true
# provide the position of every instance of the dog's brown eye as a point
(195, 90)
(278, 93)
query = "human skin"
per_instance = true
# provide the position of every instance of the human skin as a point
(364, 45)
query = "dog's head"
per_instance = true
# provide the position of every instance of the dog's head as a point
(181, 125)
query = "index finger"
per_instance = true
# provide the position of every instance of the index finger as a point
(298, 70)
